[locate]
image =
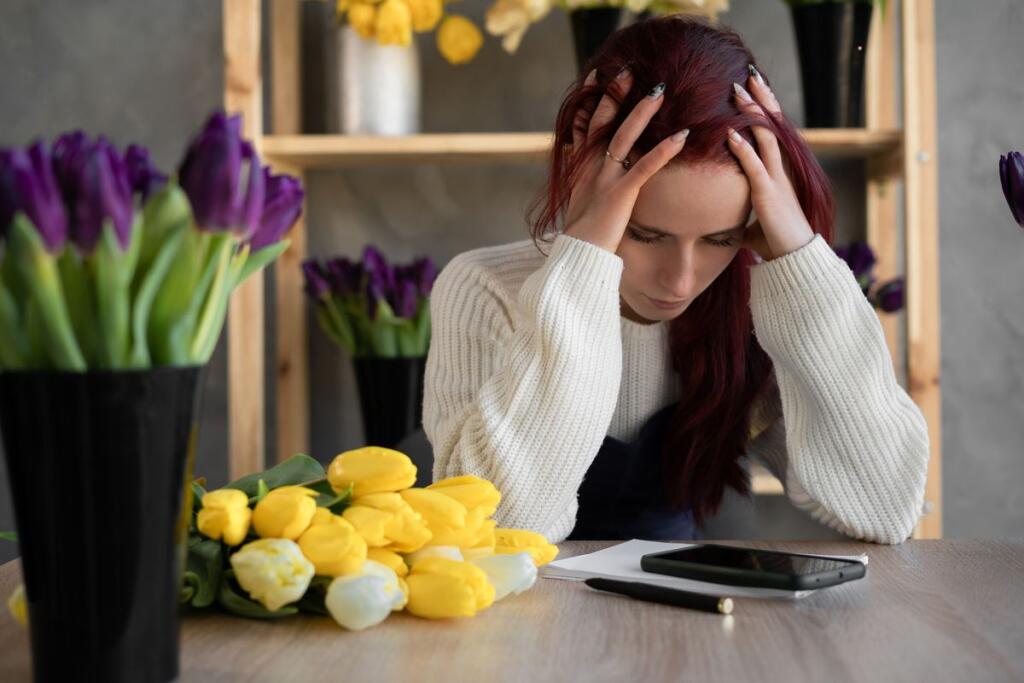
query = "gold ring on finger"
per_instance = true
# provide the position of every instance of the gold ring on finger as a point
(625, 162)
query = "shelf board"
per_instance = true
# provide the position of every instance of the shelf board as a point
(338, 151)
(763, 482)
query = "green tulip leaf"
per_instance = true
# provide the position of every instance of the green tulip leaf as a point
(189, 587)
(38, 271)
(164, 215)
(215, 310)
(81, 301)
(156, 271)
(11, 536)
(206, 561)
(233, 601)
(113, 270)
(13, 343)
(294, 471)
(259, 259)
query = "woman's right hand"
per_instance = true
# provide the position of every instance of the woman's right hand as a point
(601, 201)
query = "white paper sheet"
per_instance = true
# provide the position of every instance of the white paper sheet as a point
(622, 562)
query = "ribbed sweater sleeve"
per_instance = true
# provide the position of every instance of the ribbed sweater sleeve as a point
(520, 387)
(852, 447)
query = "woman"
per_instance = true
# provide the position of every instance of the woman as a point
(612, 387)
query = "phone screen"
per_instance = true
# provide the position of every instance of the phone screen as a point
(756, 560)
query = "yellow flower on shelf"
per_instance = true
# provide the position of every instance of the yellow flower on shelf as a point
(363, 18)
(17, 605)
(509, 541)
(333, 545)
(471, 491)
(388, 558)
(285, 512)
(440, 588)
(394, 23)
(273, 571)
(225, 516)
(425, 14)
(510, 19)
(371, 469)
(458, 39)
(385, 520)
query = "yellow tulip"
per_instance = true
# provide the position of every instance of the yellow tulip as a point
(394, 23)
(440, 512)
(388, 558)
(509, 541)
(225, 515)
(371, 469)
(17, 606)
(362, 16)
(385, 520)
(273, 571)
(450, 552)
(334, 547)
(440, 588)
(285, 512)
(458, 39)
(471, 491)
(425, 14)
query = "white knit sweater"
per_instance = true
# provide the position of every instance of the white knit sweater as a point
(531, 365)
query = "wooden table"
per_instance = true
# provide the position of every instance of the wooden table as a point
(946, 610)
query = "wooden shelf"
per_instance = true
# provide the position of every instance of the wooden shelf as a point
(337, 151)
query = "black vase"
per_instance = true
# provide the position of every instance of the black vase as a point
(98, 463)
(832, 41)
(590, 28)
(391, 397)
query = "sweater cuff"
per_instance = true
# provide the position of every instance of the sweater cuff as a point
(587, 261)
(809, 267)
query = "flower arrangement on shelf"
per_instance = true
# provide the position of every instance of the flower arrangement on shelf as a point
(356, 542)
(392, 22)
(1011, 177)
(371, 307)
(861, 259)
(107, 263)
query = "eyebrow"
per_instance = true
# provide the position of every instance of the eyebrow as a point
(656, 231)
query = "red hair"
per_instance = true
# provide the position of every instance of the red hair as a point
(721, 367)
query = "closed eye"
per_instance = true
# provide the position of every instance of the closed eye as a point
(652, 239)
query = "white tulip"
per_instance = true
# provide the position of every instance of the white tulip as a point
(363, 600)
(273, 571)
(508, 573)
(449, 552)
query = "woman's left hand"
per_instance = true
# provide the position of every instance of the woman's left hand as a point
(781, 225)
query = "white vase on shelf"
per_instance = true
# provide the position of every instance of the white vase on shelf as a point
(373, 89)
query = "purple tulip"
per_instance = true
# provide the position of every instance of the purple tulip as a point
(859, 256)
(144, 178)
(282, 205)
(345, 277)
(405, 297)
(95, 182)
(426, 274)
(380, 282)
(1011, 175)
(317, 286)
(27, 184)
(890, 296)
(211, 174)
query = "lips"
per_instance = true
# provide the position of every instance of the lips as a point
(666, 304)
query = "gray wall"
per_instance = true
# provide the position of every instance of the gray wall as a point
(149, 72)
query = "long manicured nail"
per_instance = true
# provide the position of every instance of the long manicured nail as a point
(756, 74)
(623, 72)
(734, 136)
(742, 93)
(656, 91)
(681, 135)
(591, 77)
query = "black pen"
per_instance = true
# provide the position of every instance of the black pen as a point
(666, 596)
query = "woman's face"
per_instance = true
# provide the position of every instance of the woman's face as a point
(687, 225)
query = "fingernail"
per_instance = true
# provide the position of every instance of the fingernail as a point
(656, 91)
(756, 74)
(681, 135)
(591, 77)
(742, 93)
(623, 72)
(736, 137)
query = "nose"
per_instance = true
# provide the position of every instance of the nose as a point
(678, 279)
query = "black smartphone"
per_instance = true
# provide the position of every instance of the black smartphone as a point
(735, 566)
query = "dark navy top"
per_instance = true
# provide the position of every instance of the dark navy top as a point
(623, 494)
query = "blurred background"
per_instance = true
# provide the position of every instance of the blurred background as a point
(150, 72)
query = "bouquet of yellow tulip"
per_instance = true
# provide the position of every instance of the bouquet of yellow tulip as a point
(356, 542)
(392, 22)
